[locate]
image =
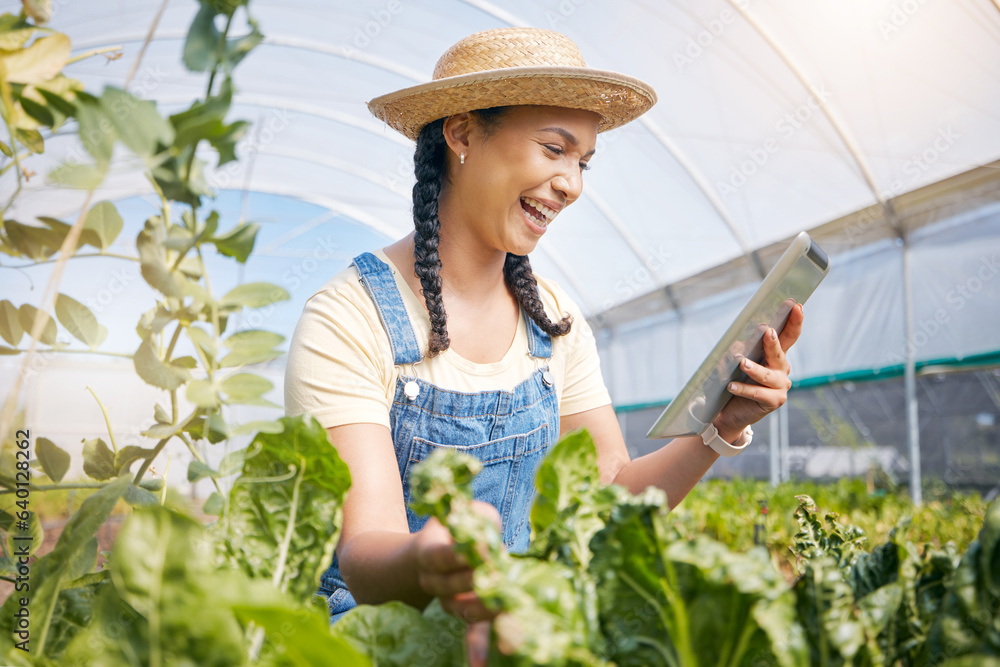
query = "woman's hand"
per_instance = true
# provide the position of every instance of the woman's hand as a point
(751, 402)
(445, 574)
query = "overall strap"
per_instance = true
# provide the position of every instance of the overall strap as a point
(539, 342)
(380, 284)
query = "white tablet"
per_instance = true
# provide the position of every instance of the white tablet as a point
(792, 280)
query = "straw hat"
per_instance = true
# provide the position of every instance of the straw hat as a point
(511, 66)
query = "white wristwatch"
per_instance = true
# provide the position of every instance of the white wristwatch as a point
(710, 436)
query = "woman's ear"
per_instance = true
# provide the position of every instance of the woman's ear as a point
(456, 130)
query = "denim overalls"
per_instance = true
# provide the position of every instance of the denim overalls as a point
(509, 431)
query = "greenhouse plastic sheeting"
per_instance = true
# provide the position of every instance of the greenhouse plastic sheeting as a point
(774, 116)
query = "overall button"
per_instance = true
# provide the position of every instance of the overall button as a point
(411, 389)
(547, 378)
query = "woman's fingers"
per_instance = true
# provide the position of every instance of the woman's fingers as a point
(467, 606)
(793, 327)
(477, 643)
(765, 376)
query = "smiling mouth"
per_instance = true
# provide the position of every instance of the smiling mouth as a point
(538, 212)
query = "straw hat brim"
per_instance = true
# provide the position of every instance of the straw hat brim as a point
(615, 97)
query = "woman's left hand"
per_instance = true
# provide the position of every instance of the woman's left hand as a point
(752, 402)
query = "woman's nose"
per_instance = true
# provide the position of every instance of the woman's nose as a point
(569, 185)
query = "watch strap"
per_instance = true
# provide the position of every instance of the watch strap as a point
(710, 436)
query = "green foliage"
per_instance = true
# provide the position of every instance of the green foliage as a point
(291, 492)
(613, 578)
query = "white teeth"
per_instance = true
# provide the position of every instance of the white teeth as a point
(547, 214)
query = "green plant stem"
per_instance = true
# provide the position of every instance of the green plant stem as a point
(286, 544)
(8, 166)
(107, 419)
(198, 457)
(94, 52)
(122, 355)
(149, 461)
(173, 342)
(219, 51)
(17, 162)
(54, 487)
(89, 254)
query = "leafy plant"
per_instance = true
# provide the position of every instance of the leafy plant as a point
(611, 579)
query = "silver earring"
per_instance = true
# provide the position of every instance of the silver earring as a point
(461, 158)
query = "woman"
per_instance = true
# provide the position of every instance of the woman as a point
(447, 339)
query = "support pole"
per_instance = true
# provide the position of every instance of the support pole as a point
(910, 381)
(786, 464)
(773, 449)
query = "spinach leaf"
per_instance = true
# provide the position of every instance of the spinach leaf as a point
(284, 512)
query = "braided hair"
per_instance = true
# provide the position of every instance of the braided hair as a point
(429, 168)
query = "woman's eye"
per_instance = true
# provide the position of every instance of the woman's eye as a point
(555, 149)
(584, 166)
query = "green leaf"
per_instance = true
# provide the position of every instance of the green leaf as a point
(41, 61)
(303, 635)
(204, 394)
(247, 389)
(250, 347)
(139, 497)
(128, 455)
(30, 139)
(5, 149)
(8, 351)
(26, 315)
(253, 295)
(58, 102)
(98, 459)
(198, 470)
(138, 124)
(96, 132)
(34, 242)
(55, 461)
(215, 505)
(104, 220)
(37, 111)
(153, 371)
(167, 602)
(237, 48)
(395, 633)
(238, 242)
(204, 340)
(202, 41)
(10, 325)
(258, 426)
(160, 414)
(64, 561)
(78, 175)
(25, 533)
(152, 484)
(306, 482)
(79, 321)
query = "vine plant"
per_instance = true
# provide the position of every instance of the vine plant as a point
(170, 249)
(186, 594)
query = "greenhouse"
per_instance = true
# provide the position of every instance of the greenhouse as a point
(181, 177)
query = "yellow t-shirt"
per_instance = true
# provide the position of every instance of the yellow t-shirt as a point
(340, 366)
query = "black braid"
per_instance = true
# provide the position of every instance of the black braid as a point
(429, 168)
(521, 281)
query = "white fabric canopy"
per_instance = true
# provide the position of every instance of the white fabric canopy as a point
(774, 116)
